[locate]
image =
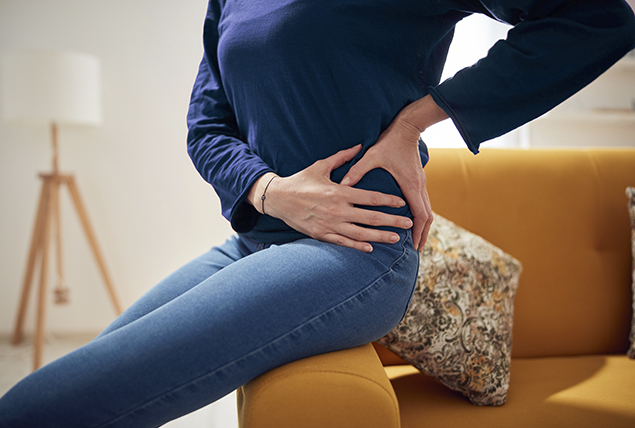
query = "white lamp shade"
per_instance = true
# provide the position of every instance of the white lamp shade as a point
(51, 87)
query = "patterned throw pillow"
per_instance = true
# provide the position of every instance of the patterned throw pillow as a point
(630, 192)
(458, 327)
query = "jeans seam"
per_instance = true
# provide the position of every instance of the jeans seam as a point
(268, 344)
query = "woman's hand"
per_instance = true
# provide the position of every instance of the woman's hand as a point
(397, 151)
(311, 203)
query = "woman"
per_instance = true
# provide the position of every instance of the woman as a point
(305, 118)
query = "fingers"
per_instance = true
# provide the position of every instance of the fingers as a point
(417, 232)
(343, 241)
(417, 208)
(341, 157)
(377, 219)
(421, 229)
(312, 204)
(357, 171)
(352, 232)
(357, 237)
(421, 210)
(428, 224)
(373, 198)
(425, 233)
(416, 194)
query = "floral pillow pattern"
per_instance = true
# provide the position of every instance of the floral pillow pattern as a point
(630, 192)
(458, 327)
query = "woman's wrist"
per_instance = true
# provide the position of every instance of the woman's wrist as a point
(417, 116)
(422, 113)
(257, 196)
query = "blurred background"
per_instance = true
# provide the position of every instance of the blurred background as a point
(150, 209)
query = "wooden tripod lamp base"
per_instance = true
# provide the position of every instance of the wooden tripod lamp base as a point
(47, 222)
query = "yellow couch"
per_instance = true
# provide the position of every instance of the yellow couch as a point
(563, 214)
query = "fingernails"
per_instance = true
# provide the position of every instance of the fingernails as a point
(368, 248)
(346, 181)
(394, 238)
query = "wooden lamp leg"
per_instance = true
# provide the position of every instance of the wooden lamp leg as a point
(39, 248)
(61, 290)
(42, 292)
(35, 250)
(47, 218)
(92, 240)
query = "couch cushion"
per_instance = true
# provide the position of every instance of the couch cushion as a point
(581, 392)
(342, 389)
(630, 192)
(458, 327)
(562, 213)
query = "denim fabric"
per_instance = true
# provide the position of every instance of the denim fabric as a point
(228, 316)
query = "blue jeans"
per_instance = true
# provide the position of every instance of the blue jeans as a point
(228, 316)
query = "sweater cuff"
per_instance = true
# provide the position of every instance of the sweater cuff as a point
(438, 98)
(244, 216)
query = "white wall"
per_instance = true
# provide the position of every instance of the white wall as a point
(150, 209)
(473, 36)
(602, 114)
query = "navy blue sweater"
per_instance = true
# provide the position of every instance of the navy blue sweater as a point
(284, 83)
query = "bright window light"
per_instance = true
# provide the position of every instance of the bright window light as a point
(473, 37)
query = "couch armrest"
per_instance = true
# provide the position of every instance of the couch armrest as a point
(346, 388)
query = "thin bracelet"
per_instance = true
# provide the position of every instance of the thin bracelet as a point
(263, 197)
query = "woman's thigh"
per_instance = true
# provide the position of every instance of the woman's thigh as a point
(182, 280)
(272, 307)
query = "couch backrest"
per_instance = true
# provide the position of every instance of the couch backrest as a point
(563, 214)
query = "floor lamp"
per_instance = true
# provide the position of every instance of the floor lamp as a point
(52, 88)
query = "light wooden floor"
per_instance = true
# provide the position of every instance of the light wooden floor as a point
(16, 362)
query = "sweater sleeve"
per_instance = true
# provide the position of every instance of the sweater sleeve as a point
(214, 143)
(555, 48)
